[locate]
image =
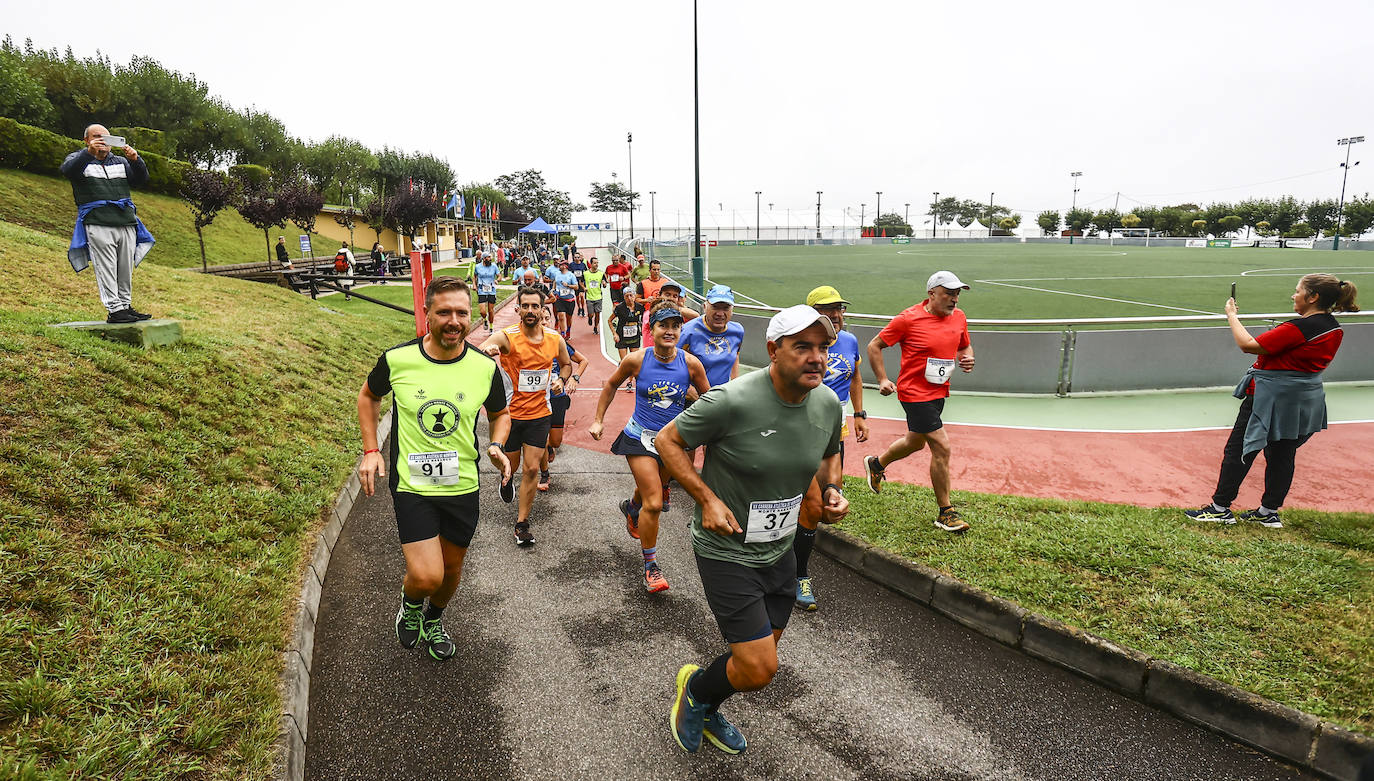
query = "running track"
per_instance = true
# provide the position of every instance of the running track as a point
(1335, 470)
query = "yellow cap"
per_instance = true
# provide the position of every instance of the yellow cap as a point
(823, 295)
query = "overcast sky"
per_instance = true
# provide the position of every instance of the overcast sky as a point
(1164, 102)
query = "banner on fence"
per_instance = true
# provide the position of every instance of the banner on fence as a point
(902, 240)
(1270, 243)
(1298, 243)
(1219, 242)
(1242, 242)
(1196, 243)
(747, 243)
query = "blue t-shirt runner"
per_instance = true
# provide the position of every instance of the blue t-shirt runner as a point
(718, 352)
(486, 278)
(564, 284)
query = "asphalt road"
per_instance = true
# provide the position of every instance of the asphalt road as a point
(566, 666)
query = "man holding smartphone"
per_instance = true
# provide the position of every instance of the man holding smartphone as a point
(109, 236)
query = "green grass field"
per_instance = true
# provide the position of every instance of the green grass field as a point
(1015, 281)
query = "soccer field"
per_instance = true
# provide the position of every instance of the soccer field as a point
(1012, 280)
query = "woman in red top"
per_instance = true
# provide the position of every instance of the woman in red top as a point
(1282, 404)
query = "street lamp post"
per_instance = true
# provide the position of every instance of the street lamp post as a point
(1073, 208)
(934, 216)
(907, 219)
(698, 263)
(878, 210)
(818, 215)
(758, 224)
(862, 210)
(653, 220)
(630, 150)
(991, 197)
(1345, 172)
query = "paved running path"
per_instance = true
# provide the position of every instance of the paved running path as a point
(1152, 470)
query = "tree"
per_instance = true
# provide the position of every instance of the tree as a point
(21, 96)
(1199, 227)
(894, 224)
(1231, 223)
(946, 210)
(1284, 214)
(1321, 216)
(1105, 220)
(347, 219)
(1262, 227)
(207, 193)
(339, 166)
(408, 209)
(1130, 221)
(531, 195)
(263, 208)
(1078, 219)
(1009, 223)
(1300, 231)
(611, 197)
(375, 215)
(1048, 222)
(1359, 217)
(303, 204)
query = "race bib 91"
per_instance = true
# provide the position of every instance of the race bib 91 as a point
(938, 370)
(439, 468)
(769, 521)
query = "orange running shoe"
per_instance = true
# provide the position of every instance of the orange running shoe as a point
(653, 578)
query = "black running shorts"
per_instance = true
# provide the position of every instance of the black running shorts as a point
(626, 445)
(566, 307)
(923, 417)
(534, 433)
(627, 344)
(560, 410)
(486, 298)
(617, 295)
(749, 602)
(426, 517)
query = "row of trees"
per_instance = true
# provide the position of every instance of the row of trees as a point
(1286, 217)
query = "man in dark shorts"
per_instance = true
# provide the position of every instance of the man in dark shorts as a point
(438, 384)
(624, 324)
(767, 435)
(934, 339)
(618, 278)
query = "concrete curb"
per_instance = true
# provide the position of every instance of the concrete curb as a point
(294, 727)
(1278, 730)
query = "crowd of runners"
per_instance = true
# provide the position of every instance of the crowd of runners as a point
(771, 441)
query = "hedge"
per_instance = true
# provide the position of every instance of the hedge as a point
(33, 149)
(249, 174)
(144, 139)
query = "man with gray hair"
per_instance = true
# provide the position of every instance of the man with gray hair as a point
(109, 237)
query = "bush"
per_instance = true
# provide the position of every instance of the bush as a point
(1300, 231)
(250, 175)
(33, 149)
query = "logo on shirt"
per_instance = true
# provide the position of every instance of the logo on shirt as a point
(768, 432)
(438, 418)
(717, 345)
(837, 366)
(663, 394)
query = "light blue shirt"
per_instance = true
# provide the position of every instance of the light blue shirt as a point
(564, 284)
(486, 278)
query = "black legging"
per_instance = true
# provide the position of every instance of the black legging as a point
(1278, 464)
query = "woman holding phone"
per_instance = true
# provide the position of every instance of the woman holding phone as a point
(1282, 401)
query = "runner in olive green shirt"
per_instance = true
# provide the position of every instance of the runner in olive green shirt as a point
(767, 436)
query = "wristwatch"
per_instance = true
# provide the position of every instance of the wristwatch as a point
(577, 377)
(861, 415)
(500, 445)
(827, 486)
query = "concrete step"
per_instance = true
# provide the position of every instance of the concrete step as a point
(158, 332)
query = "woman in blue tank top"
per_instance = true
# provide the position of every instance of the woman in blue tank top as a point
(663, 374)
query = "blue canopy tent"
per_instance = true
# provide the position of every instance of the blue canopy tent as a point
(538, 226)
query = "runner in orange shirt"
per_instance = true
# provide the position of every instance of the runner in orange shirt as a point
(527, 351)
(934, 339)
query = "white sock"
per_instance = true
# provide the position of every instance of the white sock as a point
(1266, 511)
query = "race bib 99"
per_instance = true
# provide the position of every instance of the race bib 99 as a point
(532, 380)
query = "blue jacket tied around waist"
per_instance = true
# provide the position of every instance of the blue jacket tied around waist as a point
(1288, 405)
(79, 254)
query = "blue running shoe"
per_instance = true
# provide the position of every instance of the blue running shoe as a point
(687, 717)
(806, 598)
(723, 734)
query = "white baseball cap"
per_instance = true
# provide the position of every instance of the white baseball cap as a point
(795, 319)
(945, 279)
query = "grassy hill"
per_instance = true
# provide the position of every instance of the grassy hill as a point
(155, 507)
(45, 204)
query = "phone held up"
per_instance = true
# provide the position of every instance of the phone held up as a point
(115, 142)
(1233, 291)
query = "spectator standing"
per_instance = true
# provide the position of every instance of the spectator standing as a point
(283, 256)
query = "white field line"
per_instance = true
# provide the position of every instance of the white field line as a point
(1100, 430)
(1099, 298)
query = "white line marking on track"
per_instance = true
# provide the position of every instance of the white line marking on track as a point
(1258, 272)
(1102, 430)
(1099, 298)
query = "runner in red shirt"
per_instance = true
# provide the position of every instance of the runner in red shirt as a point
(934, 339)
(617, 277)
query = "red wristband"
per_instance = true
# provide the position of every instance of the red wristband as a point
(373, 450)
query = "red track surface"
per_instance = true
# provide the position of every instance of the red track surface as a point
(1335, 470)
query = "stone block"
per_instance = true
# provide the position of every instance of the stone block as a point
(1120, 668)
(842, 547)
(988, 615)
(1339, 752)
(158, 332)
(901, 575)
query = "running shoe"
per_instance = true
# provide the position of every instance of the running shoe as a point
(1269, 520)
(687, 718)
(874, 471)
(667, 500)
(441, 647)
(949, 521)
(409, 622)
(523, 536)
(653, 578)
(507, 489)
(543, 483)
(723, 734)
(1209, 513)
(806, 598)
(630, 386)
(631, 518)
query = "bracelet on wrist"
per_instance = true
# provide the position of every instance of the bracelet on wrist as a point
(372, 450)
(828, 486)
(500, 445)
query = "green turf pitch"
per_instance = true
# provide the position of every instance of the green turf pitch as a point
(1012, 280)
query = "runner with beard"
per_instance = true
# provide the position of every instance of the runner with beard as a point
(560, 402)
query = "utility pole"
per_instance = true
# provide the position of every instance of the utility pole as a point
(1074, 208)
(1345, 172)
(878, 210)
(934, 217)
(818, 215)
(653, 220)
(907, 219)
(991, 198)
(629, 147)
(758, 224)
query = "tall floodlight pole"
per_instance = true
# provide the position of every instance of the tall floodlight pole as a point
(758, 224)
(698, 265)
(991, 198)
(934, 216)
(818, 214)
(878, 210)
(630, 149)
(1073, 208)
(863, 209)
(1345, 172)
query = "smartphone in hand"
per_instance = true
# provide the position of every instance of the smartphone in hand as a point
(115, 142)
(1233, 291)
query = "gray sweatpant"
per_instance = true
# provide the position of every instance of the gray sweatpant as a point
(112, 257)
